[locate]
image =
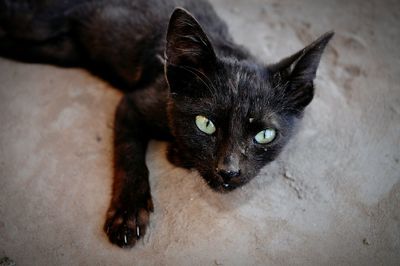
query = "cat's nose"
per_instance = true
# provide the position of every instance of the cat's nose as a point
(227, 175)
(228, 167)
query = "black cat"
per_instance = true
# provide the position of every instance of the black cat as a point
(224, 113)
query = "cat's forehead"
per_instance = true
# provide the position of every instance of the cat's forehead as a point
(244, 75)
(246, 89)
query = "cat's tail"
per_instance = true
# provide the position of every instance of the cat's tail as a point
(36, 31)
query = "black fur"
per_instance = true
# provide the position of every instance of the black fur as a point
(170, 75)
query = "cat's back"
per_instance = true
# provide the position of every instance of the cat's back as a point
(123, 38)
(149, 17)
(131, 34)
(137, 15)
(153, 14)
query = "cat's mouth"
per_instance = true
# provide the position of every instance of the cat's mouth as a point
(218, 184)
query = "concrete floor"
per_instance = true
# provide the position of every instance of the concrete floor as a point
(332, 198)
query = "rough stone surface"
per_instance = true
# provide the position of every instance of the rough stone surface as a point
(332, 198)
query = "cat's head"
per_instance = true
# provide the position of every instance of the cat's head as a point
(230, 117)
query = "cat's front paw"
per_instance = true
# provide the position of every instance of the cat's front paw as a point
(125, 226)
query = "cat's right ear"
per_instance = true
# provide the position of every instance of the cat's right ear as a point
(189, 53)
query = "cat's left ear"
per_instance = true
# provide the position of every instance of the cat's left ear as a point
(189, 53)
(299, 70)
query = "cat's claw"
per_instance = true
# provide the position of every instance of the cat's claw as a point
(125, 228)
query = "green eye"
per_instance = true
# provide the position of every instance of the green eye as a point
(205, 124)
(265, 136)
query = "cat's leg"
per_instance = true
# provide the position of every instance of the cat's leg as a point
(131, 203)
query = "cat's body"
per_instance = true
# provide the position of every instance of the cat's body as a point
(225, 114)
(123, 40)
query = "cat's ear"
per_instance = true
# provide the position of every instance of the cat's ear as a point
(189, 53)
(299, 71)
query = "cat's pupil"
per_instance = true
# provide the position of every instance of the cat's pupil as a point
(205, 125)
